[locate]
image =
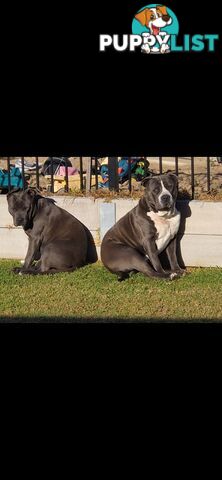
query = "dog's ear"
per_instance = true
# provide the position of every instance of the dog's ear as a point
(162, 9)
(31, 191)
(174, 179)
(145, 181)
(14, 190)
(143, 17)
(173, 176)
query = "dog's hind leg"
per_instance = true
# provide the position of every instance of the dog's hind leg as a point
(51, 271)
(122, 260)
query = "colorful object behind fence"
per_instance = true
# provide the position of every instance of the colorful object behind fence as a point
(139, 170)
(15, 181)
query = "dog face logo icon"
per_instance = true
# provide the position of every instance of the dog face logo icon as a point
(155, 23)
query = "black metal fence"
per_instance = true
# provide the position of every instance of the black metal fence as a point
(160, 170)
(88, 175)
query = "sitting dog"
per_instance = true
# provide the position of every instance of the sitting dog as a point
(134, 243)
(154, 19)
(57, 240)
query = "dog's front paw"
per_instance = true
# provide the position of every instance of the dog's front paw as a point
(170, 276)
(145, 48)
(164, 48)
(173, 276)
(16, 270)
(181, 272)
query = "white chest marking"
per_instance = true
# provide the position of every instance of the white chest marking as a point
(166, 226)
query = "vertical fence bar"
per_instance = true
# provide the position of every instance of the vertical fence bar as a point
(88, 173)
(81, 173)
(161, 165)
(96, 172)
(208, 174)
(66, 177)
(91, 165)
(37, 171)
(176, 165)
(130, 174)
(9, 173)
(52, 176)
(192, 178)
(23, 174)
(113, 173)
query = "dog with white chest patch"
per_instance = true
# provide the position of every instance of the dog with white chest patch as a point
(134, 243)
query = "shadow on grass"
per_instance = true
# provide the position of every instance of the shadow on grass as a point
(44, 321)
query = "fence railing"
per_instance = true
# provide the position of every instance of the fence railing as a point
(88, 173)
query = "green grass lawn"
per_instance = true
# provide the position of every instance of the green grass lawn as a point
(93, 293)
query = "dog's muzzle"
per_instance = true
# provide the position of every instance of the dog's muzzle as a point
(166, 201)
